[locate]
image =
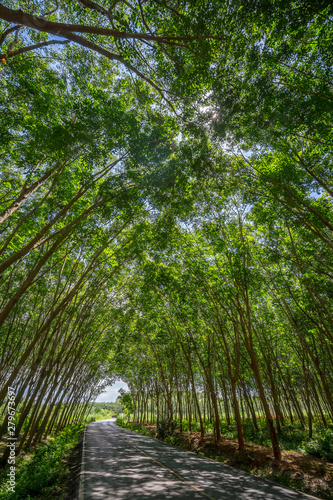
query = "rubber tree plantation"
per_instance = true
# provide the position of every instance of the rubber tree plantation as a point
(166, 215)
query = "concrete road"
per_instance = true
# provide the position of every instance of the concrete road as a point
(118, 464)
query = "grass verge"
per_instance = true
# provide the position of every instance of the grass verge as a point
(45, 472)
(296, 470)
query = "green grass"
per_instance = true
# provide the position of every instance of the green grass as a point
(135, 427)
(292, 437)
(44, 473)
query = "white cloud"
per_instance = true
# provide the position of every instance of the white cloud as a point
(111, 393)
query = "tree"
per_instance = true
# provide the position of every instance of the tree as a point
(154, 41)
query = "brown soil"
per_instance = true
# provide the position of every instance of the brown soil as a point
(305, 473)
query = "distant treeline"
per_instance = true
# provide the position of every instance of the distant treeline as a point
(114, 408)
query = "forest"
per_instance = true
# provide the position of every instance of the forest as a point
(166, 214)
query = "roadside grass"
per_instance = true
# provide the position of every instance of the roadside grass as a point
(141, 429)
(292, 438)
(305, 465)
(44, 472)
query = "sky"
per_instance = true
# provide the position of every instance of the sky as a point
(111, 393)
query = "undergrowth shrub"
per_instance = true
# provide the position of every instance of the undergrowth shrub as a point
(39, 475)
(293, 437)
(321, 445)
(141, 429)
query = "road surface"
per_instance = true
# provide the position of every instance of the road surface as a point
(118, 464)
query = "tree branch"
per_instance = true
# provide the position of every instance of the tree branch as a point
(171, 9)
(116, 57)
(40, 24)
(14, 42)
(89, 4)
(22, 50)
(143, 18)
(52, 11)
(8, 32)
(114, 5)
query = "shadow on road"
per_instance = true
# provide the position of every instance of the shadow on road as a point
(116, 469)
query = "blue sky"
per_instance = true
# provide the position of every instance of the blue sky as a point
(111, 392)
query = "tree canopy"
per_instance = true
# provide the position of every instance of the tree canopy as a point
(166, 209)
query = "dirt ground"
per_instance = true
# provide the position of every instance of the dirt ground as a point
(302, 472)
